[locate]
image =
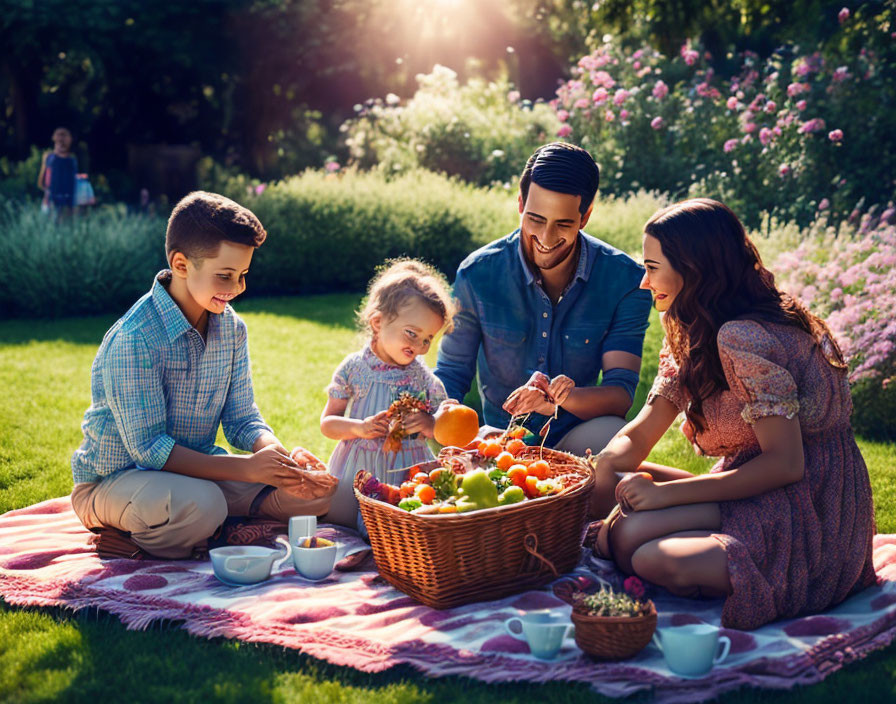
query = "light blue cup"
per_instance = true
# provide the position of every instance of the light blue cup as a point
(692, 650)
(543, 630)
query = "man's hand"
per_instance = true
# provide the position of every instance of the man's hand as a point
(419, 422)
(312, 480)
(638, 492)
(539, 395)
(375, 426)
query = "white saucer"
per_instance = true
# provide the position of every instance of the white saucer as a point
(236, 584)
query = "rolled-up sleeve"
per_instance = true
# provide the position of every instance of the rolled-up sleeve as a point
(456, 365)
(135, 395)
(241, 419)
(630, 320)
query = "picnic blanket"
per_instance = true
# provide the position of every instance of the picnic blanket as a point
(358, 620)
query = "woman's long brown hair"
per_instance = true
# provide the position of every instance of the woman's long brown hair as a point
(723, 279)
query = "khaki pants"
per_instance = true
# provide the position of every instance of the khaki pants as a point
(169, 514)
(593, 434)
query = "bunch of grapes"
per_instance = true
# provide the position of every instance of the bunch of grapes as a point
(398, 413)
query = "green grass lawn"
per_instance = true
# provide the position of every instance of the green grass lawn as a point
(295, 345)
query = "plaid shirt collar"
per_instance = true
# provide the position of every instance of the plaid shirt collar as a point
(173, 319)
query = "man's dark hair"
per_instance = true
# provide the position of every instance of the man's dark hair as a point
(563, 168)
(201, 221)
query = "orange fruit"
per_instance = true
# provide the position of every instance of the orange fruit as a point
(515, 446)
(426, 493)
(456, 425)
(531, 489)
(517, 474)
(505, 461)
(492, 449)
(407, 489)
(539, 469)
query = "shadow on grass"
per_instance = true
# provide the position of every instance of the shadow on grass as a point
(165, 663)
(331, 310)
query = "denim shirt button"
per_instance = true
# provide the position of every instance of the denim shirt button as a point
(544, 334)
(544, 315)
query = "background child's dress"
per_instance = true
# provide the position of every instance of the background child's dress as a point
(371, 385)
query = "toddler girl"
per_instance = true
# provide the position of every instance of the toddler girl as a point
(407, 305)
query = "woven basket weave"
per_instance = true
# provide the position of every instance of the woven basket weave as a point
(614, 637)
(451, 559)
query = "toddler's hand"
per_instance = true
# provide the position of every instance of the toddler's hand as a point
(420, 422)
(376, 426)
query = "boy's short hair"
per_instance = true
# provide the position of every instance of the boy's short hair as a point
(563, 168)
(201, 221)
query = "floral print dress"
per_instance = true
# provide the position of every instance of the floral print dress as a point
(371, 385)
(806, 546)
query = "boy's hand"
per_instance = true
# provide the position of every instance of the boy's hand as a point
(376, 426)
(419, 422)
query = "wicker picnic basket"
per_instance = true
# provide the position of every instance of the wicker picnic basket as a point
(614, 637)
(451, 559)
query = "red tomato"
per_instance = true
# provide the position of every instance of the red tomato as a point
(515, 446)
(504, 461)
(530, 488)
(517, 474)
(426, 493)
(407, 489)
(540, 469)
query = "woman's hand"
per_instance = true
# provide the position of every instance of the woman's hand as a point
(419, 422)
(638, 492)
(375, 426)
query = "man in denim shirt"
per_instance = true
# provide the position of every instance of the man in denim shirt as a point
(548, 310)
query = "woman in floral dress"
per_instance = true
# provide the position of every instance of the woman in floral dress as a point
(782, 525)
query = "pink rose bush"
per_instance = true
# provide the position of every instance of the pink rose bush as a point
(848, 277)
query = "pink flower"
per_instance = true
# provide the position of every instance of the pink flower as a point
(564, 131)
(843, 15)
(835, 135)
(794, 89)
(749, 127)
(332, 166)
(602, 78)
(841, 73)
(784, 170)
(824, 204)
(689, 55)
(731, 103)
(259, 189)
(513, 96)
(730, 145)
(765, 136)
(657, 122)
(660, 90)
(562, 115)
(623, 114)
(582, 104)
(801, 105)
(634, 587)
(600, 95)
(609, 116)
(621, 96)
(771, 106)
(814, 125)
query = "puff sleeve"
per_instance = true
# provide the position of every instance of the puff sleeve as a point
(666, 382)
(341, 384)
(753, 361)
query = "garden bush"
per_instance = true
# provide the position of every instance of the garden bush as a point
(780, 136)
(481, 131)
(83, 265)
(847, 275)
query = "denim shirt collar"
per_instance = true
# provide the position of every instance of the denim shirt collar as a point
(583, 268)
(173, 319)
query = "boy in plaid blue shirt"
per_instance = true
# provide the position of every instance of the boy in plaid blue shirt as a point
(148, 474)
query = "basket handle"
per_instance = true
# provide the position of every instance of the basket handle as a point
(530, 542)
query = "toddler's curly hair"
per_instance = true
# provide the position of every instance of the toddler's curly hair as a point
(397, 282)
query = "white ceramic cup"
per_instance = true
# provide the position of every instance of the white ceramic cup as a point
(544, 631)
(314, 563)
(301, 527)
(692, 650)
(246, 564)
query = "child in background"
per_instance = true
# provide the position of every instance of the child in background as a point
(407, 305)
(58, 172)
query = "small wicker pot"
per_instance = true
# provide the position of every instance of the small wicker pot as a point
(614, 637)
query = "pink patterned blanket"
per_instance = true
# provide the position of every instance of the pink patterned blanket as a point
(357, 619)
